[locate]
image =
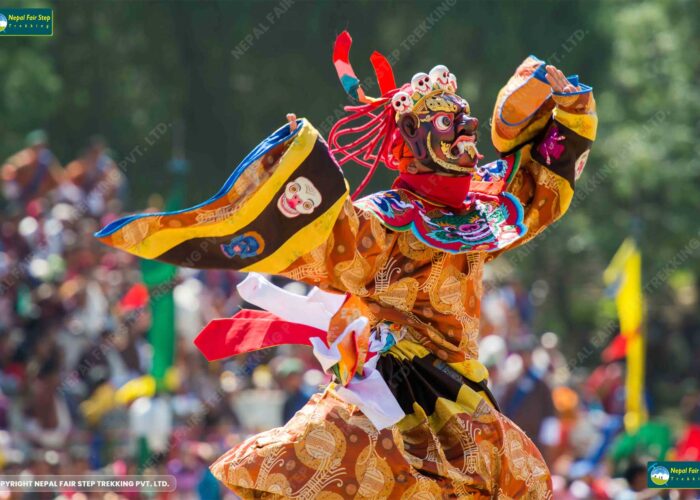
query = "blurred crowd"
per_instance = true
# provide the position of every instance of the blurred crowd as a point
(76, 395)
(573, 407)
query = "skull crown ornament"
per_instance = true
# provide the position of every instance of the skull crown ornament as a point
(419, 127)
(436, 123)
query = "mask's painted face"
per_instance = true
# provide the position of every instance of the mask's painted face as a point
(300, 197)
(441, 133)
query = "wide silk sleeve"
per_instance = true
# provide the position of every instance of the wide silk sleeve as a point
(553, 134)
(280, 203)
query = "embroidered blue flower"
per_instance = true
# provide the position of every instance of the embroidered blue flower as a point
(245, 246)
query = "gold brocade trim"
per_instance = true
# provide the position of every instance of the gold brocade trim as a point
(439, 103)
(414, 249)
(331, 451)
(424, 489)
(447, 292)
(434, 101)
(382, 278)
(545, 196)
(351, 214)
(354, 274)
(401, 295)
(314, 269)
(373, 473)
(560, 188)
(525, 467)
(475, 263)
(545, 178)
(470, 333)
(379, 234)
(438, 262)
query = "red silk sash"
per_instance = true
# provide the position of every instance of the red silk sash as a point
(248, 331)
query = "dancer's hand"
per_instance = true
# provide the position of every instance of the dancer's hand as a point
(558, 81)
(292, 119)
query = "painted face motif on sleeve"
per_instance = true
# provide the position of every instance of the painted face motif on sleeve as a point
(300, 197)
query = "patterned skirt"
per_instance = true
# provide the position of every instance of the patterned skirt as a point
(453, 443)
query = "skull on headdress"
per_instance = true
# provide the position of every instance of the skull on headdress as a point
(421, 123)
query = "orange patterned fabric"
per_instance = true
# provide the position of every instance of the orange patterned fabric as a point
(452, 443)
(330, 451)
(435, 295)
(462, 447)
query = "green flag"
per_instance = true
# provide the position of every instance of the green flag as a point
(160, 280)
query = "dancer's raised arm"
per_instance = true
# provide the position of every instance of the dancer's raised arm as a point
(548, 122)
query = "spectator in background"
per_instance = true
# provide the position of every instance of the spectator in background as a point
(636, 478)
(688, 447)
(31, 172)
(73, 310)
(290, 374)
(49, 421)
(606, 387)
(96, 175)
(527, 400)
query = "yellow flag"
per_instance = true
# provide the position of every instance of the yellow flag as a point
(624, 276)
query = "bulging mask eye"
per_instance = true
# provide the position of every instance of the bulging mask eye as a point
(442, 122)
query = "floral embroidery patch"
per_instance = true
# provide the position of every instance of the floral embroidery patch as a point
(581, 164)
(491, 172)
(489, 224)
(245, 245)
(551, 146)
